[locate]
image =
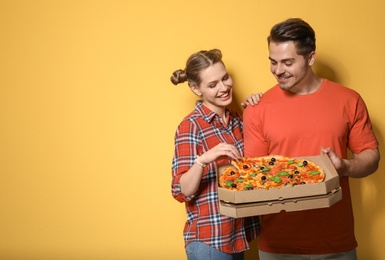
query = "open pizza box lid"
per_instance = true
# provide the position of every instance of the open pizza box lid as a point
(331, 183)
(268, 207)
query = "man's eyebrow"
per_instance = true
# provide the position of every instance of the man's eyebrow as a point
(284, 60)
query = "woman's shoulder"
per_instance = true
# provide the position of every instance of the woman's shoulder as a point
(192, 121)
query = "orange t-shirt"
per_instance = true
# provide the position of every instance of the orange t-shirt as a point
(299, 125)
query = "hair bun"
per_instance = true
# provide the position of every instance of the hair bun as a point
(179, 76)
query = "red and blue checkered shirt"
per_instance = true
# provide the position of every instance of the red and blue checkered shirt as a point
(200, 131)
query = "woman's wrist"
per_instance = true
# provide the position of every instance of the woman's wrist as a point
(198, 162)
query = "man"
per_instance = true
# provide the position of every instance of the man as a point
(304, 115)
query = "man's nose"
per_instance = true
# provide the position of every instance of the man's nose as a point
(279, 69)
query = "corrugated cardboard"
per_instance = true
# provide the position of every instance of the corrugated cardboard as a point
(299, 197)
(268, 207)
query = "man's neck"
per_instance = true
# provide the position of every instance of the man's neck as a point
(309, 85)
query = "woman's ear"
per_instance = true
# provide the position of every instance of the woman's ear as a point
(195, 90)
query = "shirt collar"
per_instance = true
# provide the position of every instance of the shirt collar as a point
(206, 113)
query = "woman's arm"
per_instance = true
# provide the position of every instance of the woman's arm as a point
(191, 179)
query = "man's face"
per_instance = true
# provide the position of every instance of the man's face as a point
(289, 68)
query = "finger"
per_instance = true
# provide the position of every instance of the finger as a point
(326, 149)
(234, 153)
(250, 101)
(255, 99)
(231, 155)
(260, 94)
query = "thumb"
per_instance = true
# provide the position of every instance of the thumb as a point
(325, 150)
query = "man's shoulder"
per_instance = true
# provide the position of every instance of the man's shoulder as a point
(267, 100)
(334, 86)
(273, 90)
(271, 95)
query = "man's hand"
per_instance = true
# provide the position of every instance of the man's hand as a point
(337, 161)
(362, 164)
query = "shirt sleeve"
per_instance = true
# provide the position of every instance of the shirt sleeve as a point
(254, 142)
(252, 228)
(186, 147)
(361, 135)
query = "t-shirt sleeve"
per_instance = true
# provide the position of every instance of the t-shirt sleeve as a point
(361, 136)
(255, 143)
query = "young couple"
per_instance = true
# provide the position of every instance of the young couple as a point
(302, 115)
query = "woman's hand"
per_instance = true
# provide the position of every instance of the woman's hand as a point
(191, 180)
(252, 99)
(221, 149)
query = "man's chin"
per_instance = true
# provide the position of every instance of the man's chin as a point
(284, 86)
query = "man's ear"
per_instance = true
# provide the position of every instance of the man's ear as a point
(311, 58)
(195, 90)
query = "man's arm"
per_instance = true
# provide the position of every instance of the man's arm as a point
(361, 165)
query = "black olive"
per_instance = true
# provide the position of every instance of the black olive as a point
(296, 172)
(304, 163)
(233, 185)
(261, 168)
(303, 182)
(290, 176)
(272, 159)
(271, 163)
(263, 178)
(245, 166)
(232, 173)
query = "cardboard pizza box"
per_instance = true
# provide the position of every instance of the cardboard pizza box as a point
(293, 197)
(268, 207)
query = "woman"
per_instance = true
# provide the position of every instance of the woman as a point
(208, 136)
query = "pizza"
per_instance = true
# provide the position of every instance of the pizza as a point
(273, 171)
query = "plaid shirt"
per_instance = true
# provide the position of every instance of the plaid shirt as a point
(200, 131)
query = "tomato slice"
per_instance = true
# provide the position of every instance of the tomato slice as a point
(231, 175)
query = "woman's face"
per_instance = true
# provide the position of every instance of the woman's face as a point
(216, 87)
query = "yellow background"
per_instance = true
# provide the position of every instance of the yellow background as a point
(88, 114)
